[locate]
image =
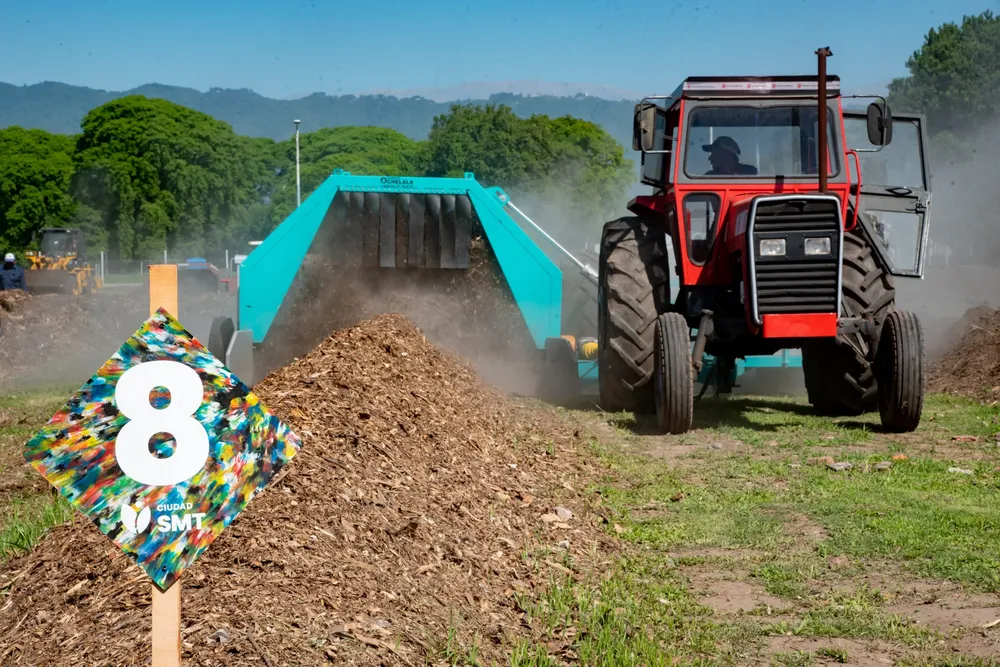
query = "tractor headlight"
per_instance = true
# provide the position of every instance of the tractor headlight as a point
(818, 246)
(772, 247)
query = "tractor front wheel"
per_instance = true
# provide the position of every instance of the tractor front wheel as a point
(674, 374)
(899, 367)
(633, 288)
(839, 373)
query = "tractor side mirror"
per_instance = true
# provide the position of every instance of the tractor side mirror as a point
(643, 126)
(879, 124)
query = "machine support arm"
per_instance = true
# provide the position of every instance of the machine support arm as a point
(584, 269)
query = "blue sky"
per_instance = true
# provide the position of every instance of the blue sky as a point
(284, 48)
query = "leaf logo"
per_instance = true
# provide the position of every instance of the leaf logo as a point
(135, 522)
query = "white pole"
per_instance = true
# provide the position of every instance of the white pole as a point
(164, 255)
(227, 264)
(298, 178)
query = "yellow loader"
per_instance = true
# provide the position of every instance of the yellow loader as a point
(59, 265)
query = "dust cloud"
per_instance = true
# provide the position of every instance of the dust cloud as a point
(962, 270)
(469, 313)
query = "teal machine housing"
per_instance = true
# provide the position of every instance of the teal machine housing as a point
(431, 235)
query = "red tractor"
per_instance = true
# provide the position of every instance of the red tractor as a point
(771, 251)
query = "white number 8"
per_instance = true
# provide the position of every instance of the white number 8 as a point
(145, 421)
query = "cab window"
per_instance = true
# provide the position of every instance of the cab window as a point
(701, 216)
(756, 142)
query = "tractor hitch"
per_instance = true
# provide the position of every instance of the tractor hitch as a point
(705, 329)
(864, 325)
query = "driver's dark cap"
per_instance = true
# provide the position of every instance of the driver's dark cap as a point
(723, 143)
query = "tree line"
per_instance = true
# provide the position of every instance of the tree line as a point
(144, 175)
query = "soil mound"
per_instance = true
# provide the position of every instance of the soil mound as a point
(52, 337)
(972, 367)
(61, 338)
(421, 506)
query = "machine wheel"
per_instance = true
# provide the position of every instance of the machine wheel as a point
(674, 374)
(219, 337)
(899, 367)
(559, 382)
(839, 373)
(633, 288)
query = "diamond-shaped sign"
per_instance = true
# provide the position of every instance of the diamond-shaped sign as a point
(162, 448)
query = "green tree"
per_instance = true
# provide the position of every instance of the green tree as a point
(165, 177)
(953, 80)
(35, 172)
(492, 142)
(359, 150)
(569, 173)
(591, 167)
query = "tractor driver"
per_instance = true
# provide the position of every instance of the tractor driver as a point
(724, 155)
(11, 275)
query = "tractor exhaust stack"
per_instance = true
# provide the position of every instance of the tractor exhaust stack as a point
(822, 156)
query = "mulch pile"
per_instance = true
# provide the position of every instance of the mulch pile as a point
(11, 300)
(423, 504)
(972, 367)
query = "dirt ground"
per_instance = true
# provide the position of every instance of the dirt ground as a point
(421, 505)
(427, 509)
(972, 365)
(55, 338)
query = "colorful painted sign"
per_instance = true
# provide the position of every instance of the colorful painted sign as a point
(162, 448)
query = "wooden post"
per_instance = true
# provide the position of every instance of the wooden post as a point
(163, 288)
(167, 626)
(166, 607)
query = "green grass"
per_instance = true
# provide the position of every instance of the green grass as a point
(731, 509)
(26, 519)
(124, 279)
(26, 514)
(640, 614)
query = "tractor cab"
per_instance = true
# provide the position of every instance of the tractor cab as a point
(788, 214)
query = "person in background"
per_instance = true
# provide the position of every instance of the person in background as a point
(11, 275)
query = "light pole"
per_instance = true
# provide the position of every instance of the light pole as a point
(298, 178)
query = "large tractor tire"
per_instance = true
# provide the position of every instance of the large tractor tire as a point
(899, 367)
(839, 373)
(633, 289)
(674, 374)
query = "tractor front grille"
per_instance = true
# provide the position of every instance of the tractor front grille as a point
(795, 283)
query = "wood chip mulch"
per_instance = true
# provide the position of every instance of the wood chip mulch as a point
(972, 366)
(423, 503)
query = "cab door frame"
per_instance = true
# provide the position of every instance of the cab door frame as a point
(888, 198)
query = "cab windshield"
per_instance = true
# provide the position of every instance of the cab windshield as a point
(56, 244)
(756, 142)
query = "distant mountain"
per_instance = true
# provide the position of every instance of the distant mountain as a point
(479, 90)
(59, 108)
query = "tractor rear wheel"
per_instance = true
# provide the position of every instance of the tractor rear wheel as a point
(674, 375)
(633, 288)
(839, 372)
(899, 367)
